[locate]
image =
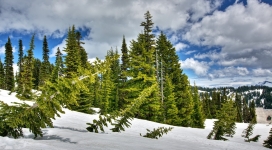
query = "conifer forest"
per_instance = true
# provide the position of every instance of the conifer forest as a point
(142, 80)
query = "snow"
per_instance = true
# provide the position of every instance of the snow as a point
(69, 133)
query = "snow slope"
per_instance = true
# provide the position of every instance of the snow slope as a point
(69, 133)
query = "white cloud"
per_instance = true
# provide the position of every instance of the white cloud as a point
(243, 33)
(239, 61)
(190, 52)
(213, 55)
(228, 72)
(180, 46)
(107, 20)
(2, 49)
(200, 68)
(259, 72)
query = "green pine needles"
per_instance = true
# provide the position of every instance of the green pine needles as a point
(248, 132)
(122, 118)
(157, 133)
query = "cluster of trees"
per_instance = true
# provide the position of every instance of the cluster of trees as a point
(146, 62)
(214, 101)
(261, 95)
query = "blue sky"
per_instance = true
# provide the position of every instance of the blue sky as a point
(219, 42)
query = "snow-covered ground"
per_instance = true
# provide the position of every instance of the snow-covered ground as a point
(69, 133)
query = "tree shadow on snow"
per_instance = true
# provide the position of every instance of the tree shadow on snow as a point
(46, 136)
(73, 129)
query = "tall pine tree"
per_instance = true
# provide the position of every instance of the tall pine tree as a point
(72, 59)
(45, 66)
(20, 67)
(142, 72)
(27, 72)
(8, 67)
(2, 75)
(58, 68)
(123, 76)
(197, 117)
(171, 67)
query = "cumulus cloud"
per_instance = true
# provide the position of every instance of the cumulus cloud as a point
(259, 72)
(212, 55)
(239, 61)
(107, 20)
(228, 72)
(180, 46)
(190, 52)
(200, 68)
(241, 31)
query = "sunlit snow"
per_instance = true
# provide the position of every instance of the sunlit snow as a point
(69, 133)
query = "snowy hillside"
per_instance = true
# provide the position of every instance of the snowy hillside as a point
(69, 133)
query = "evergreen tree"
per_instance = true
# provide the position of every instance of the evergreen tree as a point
(171, 68)
(20, 67)
(170, 110)
(142, 72)
(58, 68)
(206, 102)
(45, 66)
(27, 72)
(123, 77)
(143, 76)
(148, 36)
(36, 73)
(238, 105)
(225, 126)
(115, 72)
(246, 113)
(252, 112)
(8, 67)
(197, 117)
(72, 59)
(82, 52)
(268, 142)
(248, 132)
(2, 75)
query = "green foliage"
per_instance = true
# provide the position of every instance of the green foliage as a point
(20, 68)
(206, 105)
(58, 68)
(36, 73)
(225, 126)
(197, 116)
(238, 104)
(123, 76)
(27, 73)
(246, 112)
(217, 132)
(123, 117)
(2, 75)
(46, 106)
(248, 132)
(72, 59)
(45, 65)
(82, 53)
(22, 115)
(252, 112)
(157, 133)
(268, 142)
(170, 111)
(169, 61)
(8, 67)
